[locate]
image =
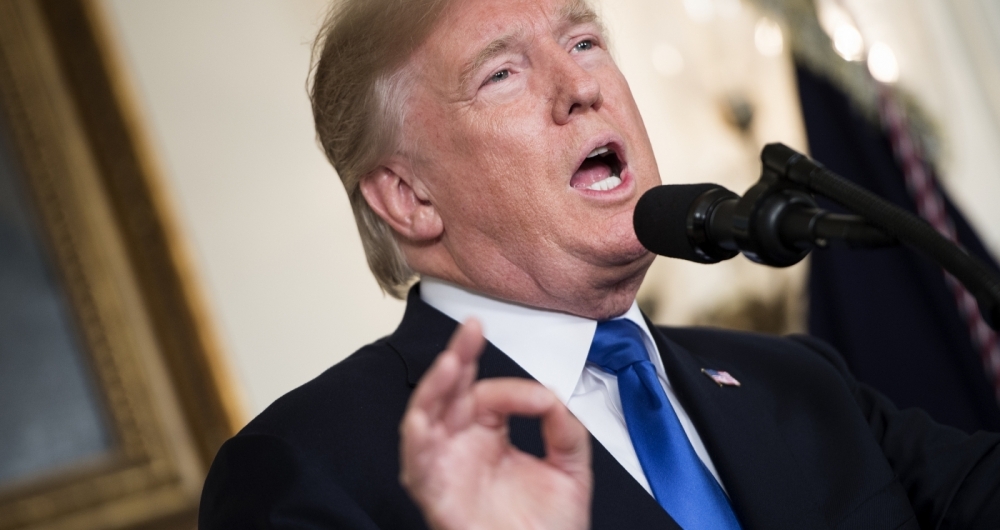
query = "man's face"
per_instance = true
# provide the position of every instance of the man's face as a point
(533, 153)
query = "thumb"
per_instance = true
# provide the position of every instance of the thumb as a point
(567, 444)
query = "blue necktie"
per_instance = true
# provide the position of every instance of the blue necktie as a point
(679, 479)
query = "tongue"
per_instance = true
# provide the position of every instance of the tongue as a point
(593, 170)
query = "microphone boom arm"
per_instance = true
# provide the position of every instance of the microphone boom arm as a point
(784, 167)
(820, 226)
(777, 223)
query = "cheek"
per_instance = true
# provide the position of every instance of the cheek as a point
(486, 192)
(503, 159)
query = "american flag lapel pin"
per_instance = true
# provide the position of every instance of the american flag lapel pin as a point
(721, 377)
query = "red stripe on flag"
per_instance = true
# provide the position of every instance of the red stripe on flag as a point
(930, 206)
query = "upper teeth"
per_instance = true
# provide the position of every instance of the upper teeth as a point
(598, 152)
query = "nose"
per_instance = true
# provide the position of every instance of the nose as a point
(576, 91)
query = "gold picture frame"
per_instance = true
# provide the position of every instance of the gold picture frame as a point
(108, 229)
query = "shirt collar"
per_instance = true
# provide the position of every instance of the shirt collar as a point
(551, 346)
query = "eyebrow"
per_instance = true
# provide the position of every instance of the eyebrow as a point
(574, 13)
(577, 12)
(494, 48)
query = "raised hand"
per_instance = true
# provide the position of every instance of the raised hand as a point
(459, 465)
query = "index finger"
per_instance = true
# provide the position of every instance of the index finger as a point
(453, 371)
(567, 441)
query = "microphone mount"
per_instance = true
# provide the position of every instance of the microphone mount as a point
(775, 223)
(765, 229)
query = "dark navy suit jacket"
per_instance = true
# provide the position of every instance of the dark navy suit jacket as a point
(801, 444)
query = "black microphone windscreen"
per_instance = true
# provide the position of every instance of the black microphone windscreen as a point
(660, 219)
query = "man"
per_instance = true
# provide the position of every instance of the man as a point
(493, 148)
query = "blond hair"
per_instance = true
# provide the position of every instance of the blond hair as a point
(358, 100)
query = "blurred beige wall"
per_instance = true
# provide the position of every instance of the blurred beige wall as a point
(222, 85)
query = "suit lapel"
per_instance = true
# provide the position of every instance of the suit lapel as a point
(619, 501)
(766, 487)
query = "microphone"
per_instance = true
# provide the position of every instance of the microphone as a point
(664, 213)
(706, 223)
(777, 223)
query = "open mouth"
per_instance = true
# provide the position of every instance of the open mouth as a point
(600, 171)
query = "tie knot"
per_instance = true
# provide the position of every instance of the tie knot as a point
(617, 345)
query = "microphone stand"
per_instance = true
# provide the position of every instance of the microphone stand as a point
(788, 178)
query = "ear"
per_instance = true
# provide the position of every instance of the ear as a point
(402, 201)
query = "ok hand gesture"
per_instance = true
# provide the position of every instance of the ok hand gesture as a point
(458, 463)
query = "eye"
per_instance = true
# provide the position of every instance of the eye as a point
(499, 76)
(584, 45)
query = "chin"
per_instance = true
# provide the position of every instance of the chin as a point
(617, 285)
(632, 250)
(623, 247)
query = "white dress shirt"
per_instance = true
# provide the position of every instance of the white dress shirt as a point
(552, 347)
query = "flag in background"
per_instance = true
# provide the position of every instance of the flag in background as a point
(890, 311)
